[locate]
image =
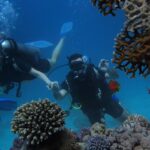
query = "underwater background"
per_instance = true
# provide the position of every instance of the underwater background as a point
(92, 35)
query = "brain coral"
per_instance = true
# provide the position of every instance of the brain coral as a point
(35, 122)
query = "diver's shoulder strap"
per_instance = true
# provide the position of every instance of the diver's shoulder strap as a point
(94, 69)
(10, 86)
(96, 72)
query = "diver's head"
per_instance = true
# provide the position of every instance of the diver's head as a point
(77, 62)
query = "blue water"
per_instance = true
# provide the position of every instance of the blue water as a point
(92, 35)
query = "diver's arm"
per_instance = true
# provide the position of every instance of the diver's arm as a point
(42, 76)
(56, 52)
(58, 92)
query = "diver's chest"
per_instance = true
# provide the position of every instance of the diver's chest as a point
(84, 86)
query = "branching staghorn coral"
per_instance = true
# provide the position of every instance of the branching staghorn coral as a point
(132, 53)
(108, 6)
(35, 122)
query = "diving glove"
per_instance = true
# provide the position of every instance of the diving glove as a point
(55, 86)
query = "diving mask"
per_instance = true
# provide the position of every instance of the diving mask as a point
(77, 65)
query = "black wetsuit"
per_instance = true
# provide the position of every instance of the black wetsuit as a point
(18, 61)
(85, 89)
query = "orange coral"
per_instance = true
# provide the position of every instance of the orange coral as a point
(133, 43)
(108, 6)
(133, 53)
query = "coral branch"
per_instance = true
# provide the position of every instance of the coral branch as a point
(132, 46)
(108, 6)
(133, 54)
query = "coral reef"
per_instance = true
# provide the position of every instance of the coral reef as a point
(138, 14)
(37, 120)
(133, 134)
(98, 143)
(98, 129)
(132, 46)
(83, 134)
(108, 6)
(136, 120)
(132, 53)
(40, 125)
(88, 137)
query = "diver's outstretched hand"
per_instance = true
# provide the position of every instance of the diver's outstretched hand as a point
(54, 86)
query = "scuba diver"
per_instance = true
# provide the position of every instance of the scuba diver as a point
(89, 90)
(19, 62)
